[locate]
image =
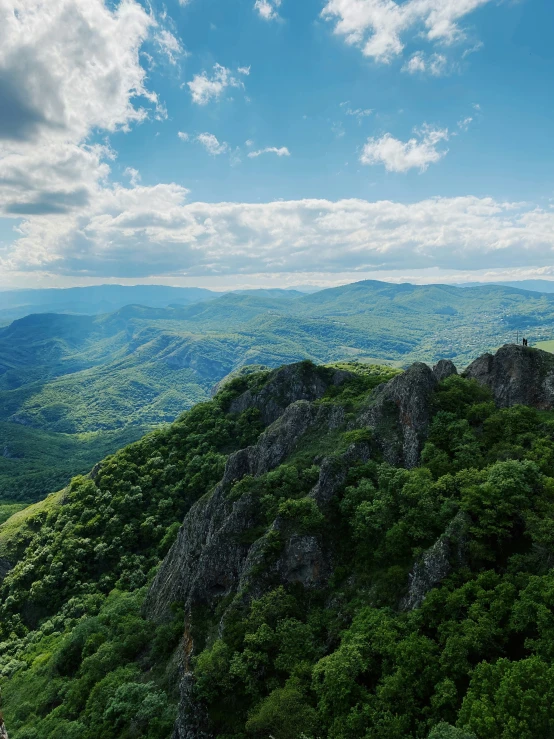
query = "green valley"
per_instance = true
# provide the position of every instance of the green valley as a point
(114, 376)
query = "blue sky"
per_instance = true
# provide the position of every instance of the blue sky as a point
(240, 143)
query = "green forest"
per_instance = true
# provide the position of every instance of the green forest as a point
(474, 659)
(74, 388)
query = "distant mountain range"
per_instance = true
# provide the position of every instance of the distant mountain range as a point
(538, 286)
(75, 387)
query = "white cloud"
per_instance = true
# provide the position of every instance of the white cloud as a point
(465, 123)
(473, 49)
(358, 113)
(244, 70)
(249, 142)
(67, 69)
(378, 26)
(267, 9)
(183, 136)
(435, 64)
(400, 156)
(133, 175)
(169, 45)
(280, 152)
(147, 231)
(211, 143)
(204, 88)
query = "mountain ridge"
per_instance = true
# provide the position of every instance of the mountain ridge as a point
(305, 519)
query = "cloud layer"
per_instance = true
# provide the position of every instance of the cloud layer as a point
(148, 231)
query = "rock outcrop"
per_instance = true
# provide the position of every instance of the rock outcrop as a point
(443, 369)
(286, 385)
(209, 557)
(516, 375)
(437, 562)
(399, 412)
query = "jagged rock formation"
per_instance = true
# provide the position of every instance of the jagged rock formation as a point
(3, 731)
(516, 375)
(399, 412)
(301, 381)
(437, 562)
(443, 369)
(214, 556)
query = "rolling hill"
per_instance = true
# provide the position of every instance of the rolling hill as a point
(72, 386)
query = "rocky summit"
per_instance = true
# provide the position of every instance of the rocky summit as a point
(332, 551)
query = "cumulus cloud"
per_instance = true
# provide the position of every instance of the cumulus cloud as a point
(435, 64)
(280, 152)
(378, 26)
(400, 156)
(205, 88)
(212, 144)
(67, 69)
(183, 136)
(267, 9)
(146, 231)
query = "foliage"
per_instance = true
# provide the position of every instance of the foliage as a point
(120, 374)
(475, 660)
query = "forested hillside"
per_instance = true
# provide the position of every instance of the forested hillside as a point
(364, 553)
(74, 387)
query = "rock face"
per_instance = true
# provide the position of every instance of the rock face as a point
(437, 562)
(516, 375)
(443, 369)
(301, 381)
(209, 557)
(399, 412)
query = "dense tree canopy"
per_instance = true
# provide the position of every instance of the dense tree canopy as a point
(473, 660)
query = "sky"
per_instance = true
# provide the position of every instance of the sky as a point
(251, 143)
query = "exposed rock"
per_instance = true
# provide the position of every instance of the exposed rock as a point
(5, 567)
(517, 375)
(443, 369)
(210, 554)
(400, 412)
(3, 731)
(333, 472)
(286, 385)
(437, 562)
(192, 721)
(303, 561)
